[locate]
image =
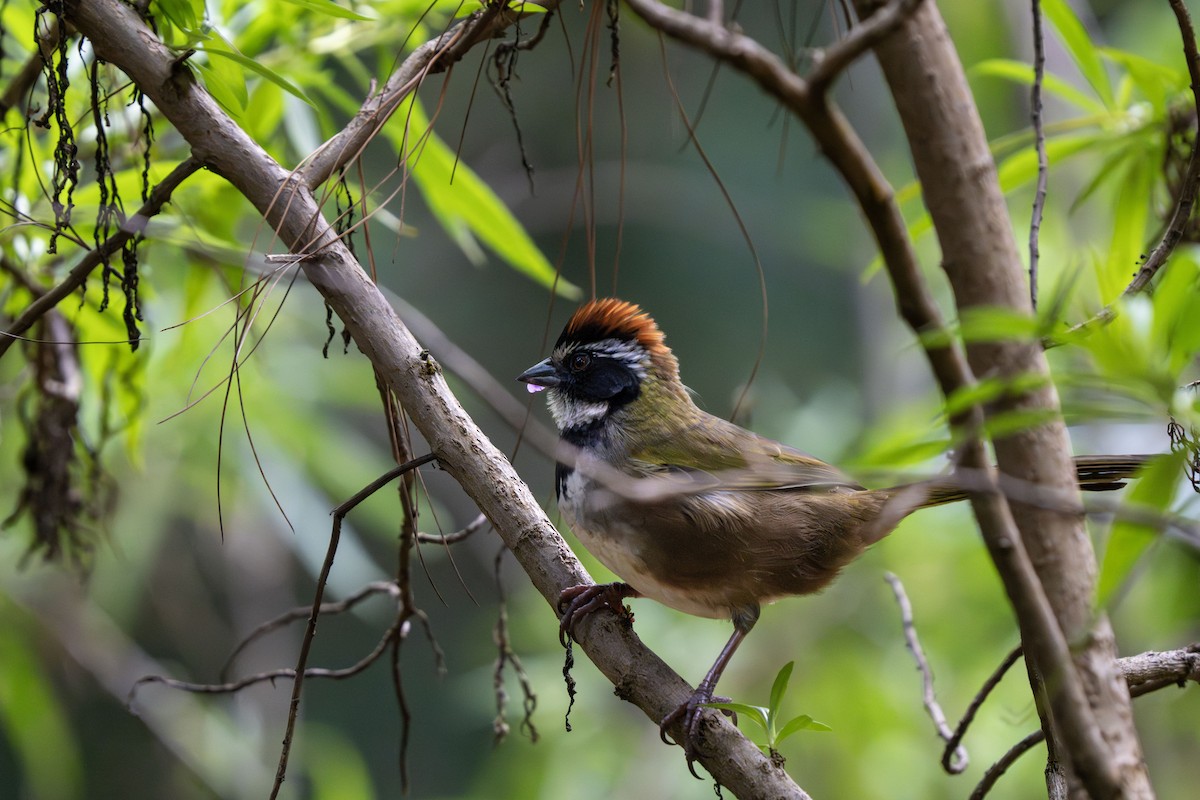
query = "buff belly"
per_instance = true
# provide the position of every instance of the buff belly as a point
(616, 545)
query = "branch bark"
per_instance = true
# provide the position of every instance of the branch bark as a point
(1089, 713)
(287, 203)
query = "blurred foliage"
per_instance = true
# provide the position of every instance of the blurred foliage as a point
(841, 377)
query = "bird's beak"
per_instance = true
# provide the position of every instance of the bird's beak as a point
(541, 375)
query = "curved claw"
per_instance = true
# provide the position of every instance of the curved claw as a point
(691, 712)
(576, 602)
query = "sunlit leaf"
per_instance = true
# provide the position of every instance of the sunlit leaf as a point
(329, 8)
(779, 687)
(184, 14)
(1176, 301)
(997, 324)
(801, 723)
(1156, 82)
(469, 209)
(1079, 45)
(991, 389)
(1129, 219)
(228, 87)
(1020, 169)
(756, 714)
(1022, 73)
(256, 67)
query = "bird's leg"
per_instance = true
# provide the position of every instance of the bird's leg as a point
(576, 602)
(691, 711)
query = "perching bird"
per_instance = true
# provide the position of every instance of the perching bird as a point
(694, 511)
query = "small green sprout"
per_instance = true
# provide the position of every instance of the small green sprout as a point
(768, 718)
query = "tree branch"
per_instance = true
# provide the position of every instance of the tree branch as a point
(1053, 600)
(639, 676)
(131, 227)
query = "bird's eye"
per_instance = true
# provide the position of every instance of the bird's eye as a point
(580, 362)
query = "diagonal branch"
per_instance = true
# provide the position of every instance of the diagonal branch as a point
(437, 55)
(640, 677)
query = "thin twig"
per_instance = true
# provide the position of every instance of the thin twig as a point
(934, 709)
(1001, 766)
(1144, 673)
(831, 62)
(273, 675)
(310, 630)
(303, 612)
(968, 716)
(1039, 198)
(454, 538)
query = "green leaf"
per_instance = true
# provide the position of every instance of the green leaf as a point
(1108, 169)
(183, 14)
(257, 68)
(997, 324)
(1079, 45)
(1129, 539)
(1020, 72)
(1176, 301)
(1156, 82)
(1129, 219)
(467, 207)
(224, 81)
(801, 723)
(329, 8)
(991, 389)
(1020, 169)
(757, 714)
(779, 687)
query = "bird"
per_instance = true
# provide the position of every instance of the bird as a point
(692, 510)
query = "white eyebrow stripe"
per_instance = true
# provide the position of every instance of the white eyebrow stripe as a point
(631, 354)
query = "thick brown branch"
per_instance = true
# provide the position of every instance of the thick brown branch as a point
(1049, 569)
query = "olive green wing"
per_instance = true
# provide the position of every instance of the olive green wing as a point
(718, 455)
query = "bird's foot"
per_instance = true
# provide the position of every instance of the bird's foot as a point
(689, 714)
(576, 602)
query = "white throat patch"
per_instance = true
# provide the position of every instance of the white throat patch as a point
(570, 412)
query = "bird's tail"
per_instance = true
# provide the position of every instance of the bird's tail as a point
(1094, 473)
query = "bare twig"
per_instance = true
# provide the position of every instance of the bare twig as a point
(1007, 760)
(472, 527)
(968, 716)
(1039, 198)
(130, 228)
(932, 707)
(506, 656)
(436, 55)
(310, 630)
(1144, 673)
(832, 61)
(303, 612)
(283, 673)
